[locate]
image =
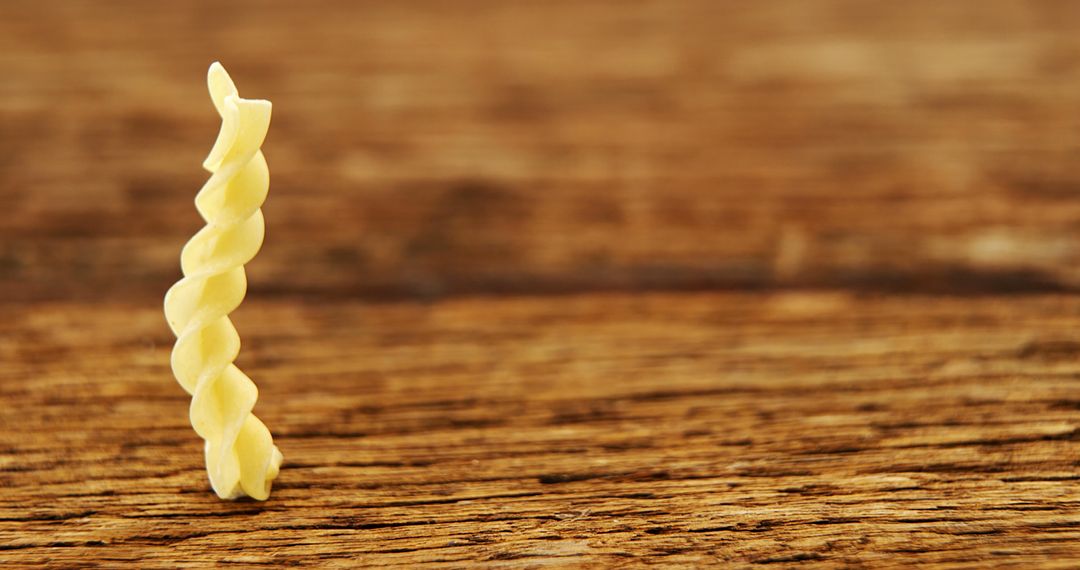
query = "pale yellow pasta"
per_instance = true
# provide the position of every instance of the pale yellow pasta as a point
(241, 458)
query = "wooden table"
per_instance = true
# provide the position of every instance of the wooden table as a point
(556, 283)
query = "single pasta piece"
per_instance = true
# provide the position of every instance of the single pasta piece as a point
(241, 457)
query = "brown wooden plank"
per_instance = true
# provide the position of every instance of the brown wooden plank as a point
(586, 430)
(487, 149)
(425, 148)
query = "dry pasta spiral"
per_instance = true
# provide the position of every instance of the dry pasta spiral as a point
(241, 458)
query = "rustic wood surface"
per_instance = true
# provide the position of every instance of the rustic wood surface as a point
(556, 283)
(433, 147)
(688, 429)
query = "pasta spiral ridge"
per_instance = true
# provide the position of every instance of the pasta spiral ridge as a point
(241, 458)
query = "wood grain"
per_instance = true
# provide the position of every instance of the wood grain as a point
(689, 429)
(427, 148)
(556, 283)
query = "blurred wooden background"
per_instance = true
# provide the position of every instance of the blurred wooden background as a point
(424, 148)
(744, 210)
